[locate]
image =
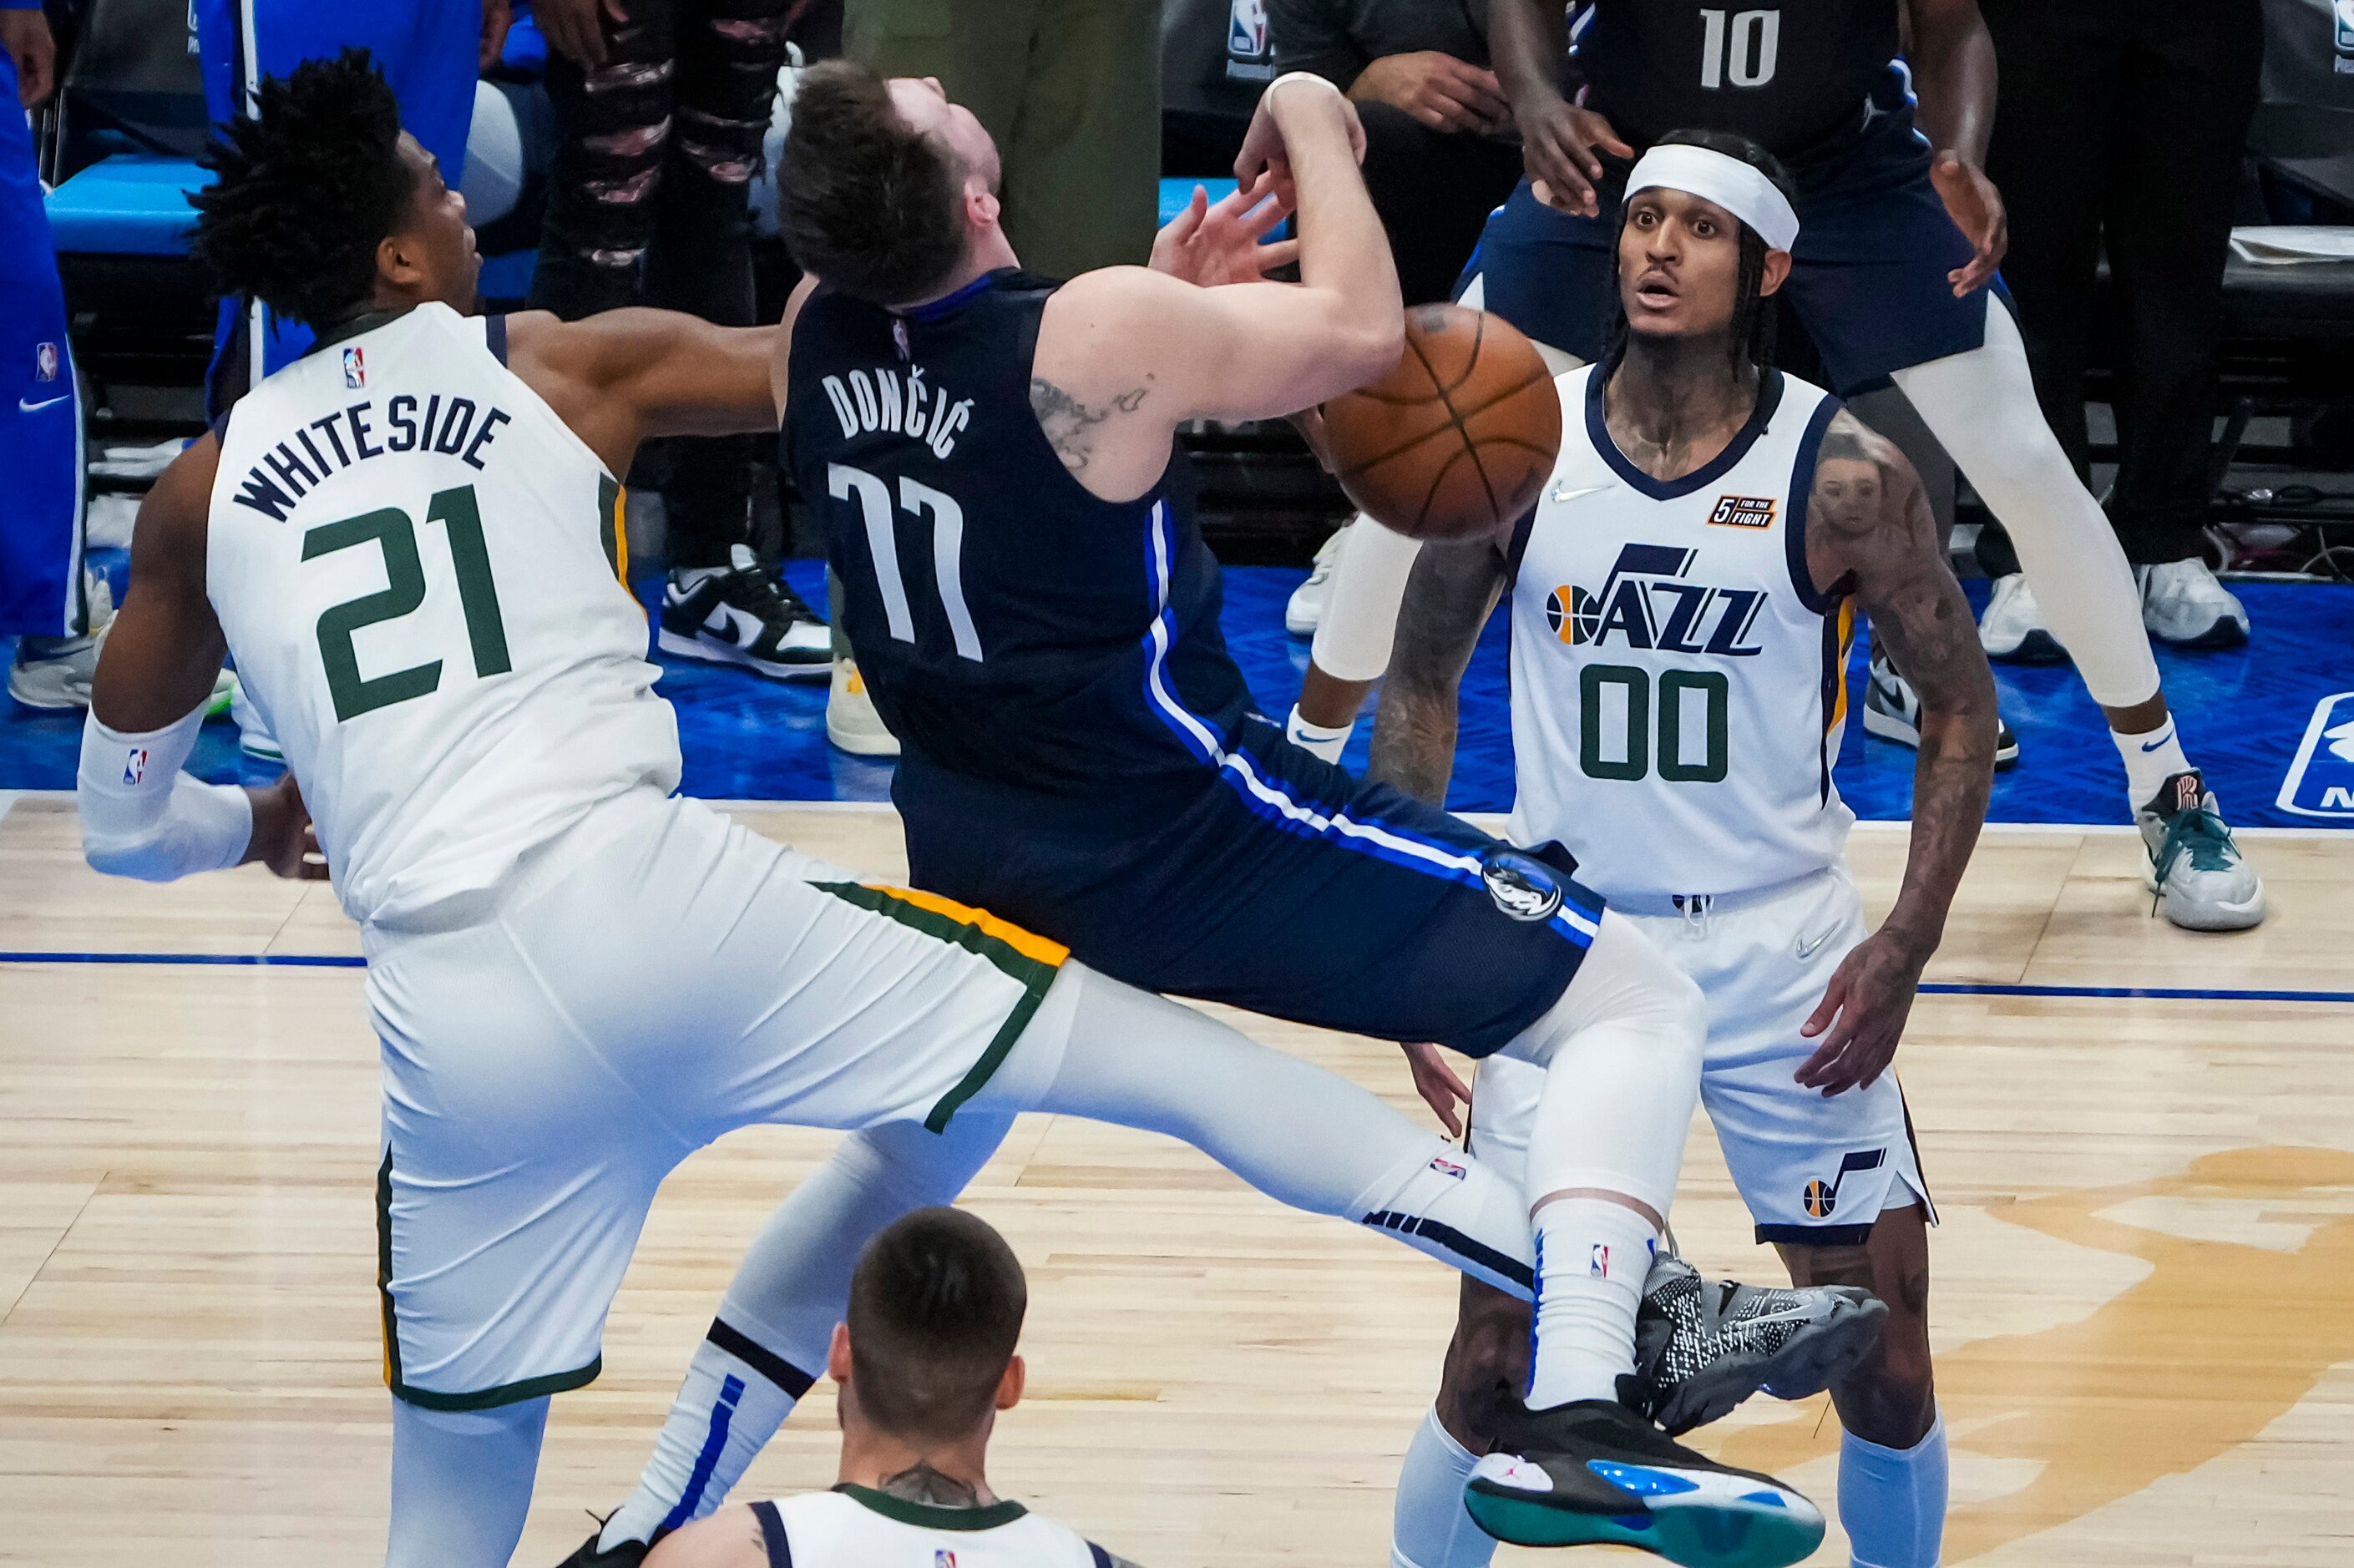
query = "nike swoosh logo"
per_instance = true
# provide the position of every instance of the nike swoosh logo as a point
(1558, 493)
(1809, 949)
(1784, 1315)
(37, 407)
(2162, 740)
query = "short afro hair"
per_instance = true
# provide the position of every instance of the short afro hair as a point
(936, 1309)
(305, 189)
(866, 201)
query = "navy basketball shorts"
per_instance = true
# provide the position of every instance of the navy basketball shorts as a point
(1286, 886)
(1868, 276)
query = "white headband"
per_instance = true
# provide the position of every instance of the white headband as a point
(1739, 189)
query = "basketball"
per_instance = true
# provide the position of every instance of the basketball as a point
(1455, 442)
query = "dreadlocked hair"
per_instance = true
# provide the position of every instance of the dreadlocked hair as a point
(1752, 313)
(306, 188)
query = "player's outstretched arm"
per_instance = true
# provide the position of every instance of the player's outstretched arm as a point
(140, 816)
(1869, 527)
(621, 378)
(1448, 598)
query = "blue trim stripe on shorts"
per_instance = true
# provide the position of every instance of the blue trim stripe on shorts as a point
(1268, 798)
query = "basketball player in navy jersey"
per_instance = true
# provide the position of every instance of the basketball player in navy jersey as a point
(993, 455)
(1893, 280)
(1688, 771)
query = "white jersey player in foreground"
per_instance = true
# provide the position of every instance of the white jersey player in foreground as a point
(408, 541)
(925, 1359)
(1681, 601)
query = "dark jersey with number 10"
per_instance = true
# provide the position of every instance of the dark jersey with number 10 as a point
(1795, 76)
(1036, 650)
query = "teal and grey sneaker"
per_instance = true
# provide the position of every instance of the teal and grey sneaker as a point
(1595, 1472)
(2196, 872)
(1702, 1346)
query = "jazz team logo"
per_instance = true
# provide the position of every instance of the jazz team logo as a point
(45, 361)
(2320, 782)
(1648, 601)
(355, 368)
(1822, 1202)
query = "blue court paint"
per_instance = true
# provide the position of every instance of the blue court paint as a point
(2253, 718)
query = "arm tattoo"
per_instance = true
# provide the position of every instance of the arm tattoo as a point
(1448, 600)
(923, 1484)
(1070, 424)
(1871, 532)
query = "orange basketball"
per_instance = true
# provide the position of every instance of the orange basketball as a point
(1456, 441)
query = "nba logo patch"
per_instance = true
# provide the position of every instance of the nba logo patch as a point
(2345, 9)
(899, 338)
(45, 361)
(2320, 781)
(1599, 1265)
(355, 368)
(1448, 1168)
(1246, 29)
(134, 766)
(943, 1560)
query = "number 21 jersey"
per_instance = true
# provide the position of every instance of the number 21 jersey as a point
(1678, 693)
(417, 567)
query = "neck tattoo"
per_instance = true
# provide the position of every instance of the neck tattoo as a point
(921, 1483)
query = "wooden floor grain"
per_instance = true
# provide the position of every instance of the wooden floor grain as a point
(2143, 1298)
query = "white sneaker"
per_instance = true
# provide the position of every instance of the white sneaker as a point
(1892, 710)
(1306, 606)
(2183, 605)
(2012, 628)
(54, 673)
(851, 721)
(2195, 868)
(253, 737)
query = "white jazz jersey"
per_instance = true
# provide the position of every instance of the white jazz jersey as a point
(857, 1528)
(1678, 692)
(417, 567)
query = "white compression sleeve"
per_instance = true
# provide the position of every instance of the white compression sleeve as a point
(1361, 604)
(141, 817)
(462, 1483)
(1429, 1526)
(1298, 1133)
(1981, 407)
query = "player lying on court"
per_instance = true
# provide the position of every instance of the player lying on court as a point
(924, 1359)
(408, 541)
(1689, 774)
(1894, 281)
(993, 457)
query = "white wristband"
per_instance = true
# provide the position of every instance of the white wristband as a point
(141, 817)
(1303, 76)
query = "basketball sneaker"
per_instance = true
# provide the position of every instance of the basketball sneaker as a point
(744, 613)
(2183, 605)
(1305, 608)
(1594, 1472)
(1892, 710)
(2196, 872)
(1702, 1346)
(54, 673)
(2012, 630)
(628, 1555)
(851, 721)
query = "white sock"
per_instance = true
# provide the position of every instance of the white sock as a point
(735, 1397)
(1891, 1501)
(462, 1483)
(2150, 760)
(1593, 1257)
(1428, 1526)
(1327, 741)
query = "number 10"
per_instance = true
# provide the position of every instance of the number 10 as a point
(1754, 45)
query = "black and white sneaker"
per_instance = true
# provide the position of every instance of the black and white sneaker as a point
(1595, 1472)
(1892, 710)
(1702, 1346)
(628, 1555)
(743, 614)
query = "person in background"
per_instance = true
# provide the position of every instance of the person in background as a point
(663, 104)
(2153, 98)
(1440, 151)
(925, 1360)
(56, 612)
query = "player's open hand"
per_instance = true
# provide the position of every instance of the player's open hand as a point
(1976, 207)
(1438, 1086)
(1558, 143)
(283, 838)
(1211, 243)
(1862, 1013)
(1443, 93)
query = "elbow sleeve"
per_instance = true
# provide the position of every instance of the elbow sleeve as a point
(143, 817)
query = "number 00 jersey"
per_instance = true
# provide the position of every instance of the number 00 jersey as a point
(416, 566)
(1677, 691)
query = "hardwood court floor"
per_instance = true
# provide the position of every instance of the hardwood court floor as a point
(2144, 1291)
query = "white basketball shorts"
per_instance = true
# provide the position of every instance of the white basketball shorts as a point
(1811, 1169)
(656, 977)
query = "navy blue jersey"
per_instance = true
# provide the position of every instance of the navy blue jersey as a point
(1020, 635)
(1797, 78)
